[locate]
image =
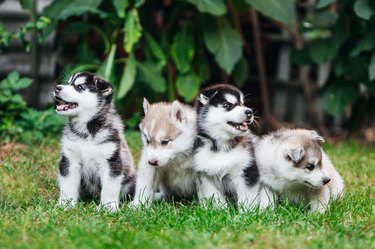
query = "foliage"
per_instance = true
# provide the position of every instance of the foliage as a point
(159, 55)
(31, 219)
(17, 120)
(349, 42)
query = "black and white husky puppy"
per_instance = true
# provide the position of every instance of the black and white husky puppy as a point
(224, 148)
(293, 166)
(95, 158)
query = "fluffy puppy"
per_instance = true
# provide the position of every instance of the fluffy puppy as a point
(95, 158)
(223, 151)
(165, 168)
(293, 166)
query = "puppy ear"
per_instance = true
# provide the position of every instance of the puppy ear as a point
(295, 153)
(316, 137)
(103, 86)
(204, 98)
(146, 105)
(177, 113)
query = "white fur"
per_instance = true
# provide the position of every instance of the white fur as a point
(88, 155)
(280, 177)
(223, 170)
(174, 174)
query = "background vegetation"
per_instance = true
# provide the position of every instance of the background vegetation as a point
(169, 49)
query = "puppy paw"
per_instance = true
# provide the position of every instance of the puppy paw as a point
(108, 206)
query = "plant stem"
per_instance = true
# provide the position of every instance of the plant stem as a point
(270, 119)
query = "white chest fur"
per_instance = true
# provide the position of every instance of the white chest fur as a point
(221, 162)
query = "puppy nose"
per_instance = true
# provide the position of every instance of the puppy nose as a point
(58, 88)
(153, 162)
(326, 180)
(248, 112)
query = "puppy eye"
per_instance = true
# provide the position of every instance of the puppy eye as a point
(165, 142)
(310, 167)
(81, 87)
(227, 105)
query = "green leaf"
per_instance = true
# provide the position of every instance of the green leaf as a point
(241, 72)
(183, 49)
(149, 74)
(324, 3)
(13, 77)
(280, 10)
(321, 52)
(63, 9)
(188, 86)
(362, 9)
(224, 42)
(22, 83)
(54, 9)
(339, 95)
(213, 7)
(366, 44)
(133, 30)
(108, 68)
(27, 4)
(371, 68)
(128, 77)
(120, 6)
(156, 51)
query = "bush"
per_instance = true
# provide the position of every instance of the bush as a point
(19, 122)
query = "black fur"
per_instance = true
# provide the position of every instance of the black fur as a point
(115, 164)
(95, 124)
(64, 165)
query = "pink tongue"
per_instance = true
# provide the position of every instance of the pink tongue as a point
(62, 107)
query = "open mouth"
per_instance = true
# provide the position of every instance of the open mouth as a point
(62, 105)
(240, 126)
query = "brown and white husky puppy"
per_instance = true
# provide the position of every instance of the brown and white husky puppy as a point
(165, 168)
(293, 165)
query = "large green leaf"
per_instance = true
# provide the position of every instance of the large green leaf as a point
(362, 9)
(128, 77)
(183, 49)
(213, 7)
(188, 86)
(133, 30)
(371, 68)
(339, 95)
(149, 74)
(224, 42)
(74, 8)
(155, 50)
(280, 10)
(120, 6)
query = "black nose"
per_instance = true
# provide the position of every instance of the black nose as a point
(58, 88)
(153, 162)
(326, 180)
(248, 112)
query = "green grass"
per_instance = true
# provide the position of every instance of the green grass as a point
(29, 217)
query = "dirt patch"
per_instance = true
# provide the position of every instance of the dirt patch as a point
(11, 152)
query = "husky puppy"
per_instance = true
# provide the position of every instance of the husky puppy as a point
(224, 148)
(165, 167)
(293, 165)
(95, 158)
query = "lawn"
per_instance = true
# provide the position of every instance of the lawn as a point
(29, 217)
